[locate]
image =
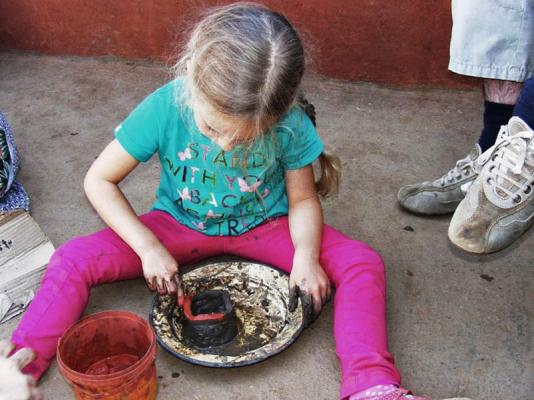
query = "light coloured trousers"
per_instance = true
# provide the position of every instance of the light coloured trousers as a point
(493, 39)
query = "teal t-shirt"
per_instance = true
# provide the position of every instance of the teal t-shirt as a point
(208, 189)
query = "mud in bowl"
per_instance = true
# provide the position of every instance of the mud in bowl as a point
(259, 296)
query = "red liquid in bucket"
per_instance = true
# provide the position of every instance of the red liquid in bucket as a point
(112, 364)
(110, 355)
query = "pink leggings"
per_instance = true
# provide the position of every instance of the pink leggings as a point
(353, 268)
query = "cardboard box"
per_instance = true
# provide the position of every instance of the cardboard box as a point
(24, 254)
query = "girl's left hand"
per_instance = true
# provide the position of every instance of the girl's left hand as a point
(309, 282)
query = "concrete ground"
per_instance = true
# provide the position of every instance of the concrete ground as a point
(459, 324)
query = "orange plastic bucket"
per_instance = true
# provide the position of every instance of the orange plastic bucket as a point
(110, 355)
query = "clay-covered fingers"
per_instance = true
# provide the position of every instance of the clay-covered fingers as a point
(170, 286)
(151, 282)
(6, 347)
(160, 285)
(173, 285)
(307, 307)
(23, 357)
(293, 298)
(315, 299)
(166, 285)
(296, 293)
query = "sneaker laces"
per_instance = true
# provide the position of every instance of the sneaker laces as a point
(462, 167)
(503, 138)
(512, 166)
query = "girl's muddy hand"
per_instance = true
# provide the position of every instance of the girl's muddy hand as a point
(309, 282)
(160, 270)
(14, 385)
(307, 304)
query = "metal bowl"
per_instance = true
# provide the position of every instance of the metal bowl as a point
(259, 294)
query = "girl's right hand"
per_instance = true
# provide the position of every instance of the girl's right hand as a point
(160, 270)
(14, 385)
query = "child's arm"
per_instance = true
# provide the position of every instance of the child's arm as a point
(306, 226)
(101, 186)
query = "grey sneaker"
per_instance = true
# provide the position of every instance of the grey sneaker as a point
(499, 206)
(443, 195)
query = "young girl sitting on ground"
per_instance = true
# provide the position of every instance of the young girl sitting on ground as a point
(236, 153)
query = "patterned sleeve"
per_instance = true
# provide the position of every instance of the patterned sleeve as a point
(302, 143)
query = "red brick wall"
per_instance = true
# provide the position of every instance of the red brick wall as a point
(392, 42)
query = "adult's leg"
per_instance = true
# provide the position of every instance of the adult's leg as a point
(501, 92)
(524, 107)
(499, 100)
(357, 272)
(502, 57)
(492, 40)
(499, 207)
(85, 262)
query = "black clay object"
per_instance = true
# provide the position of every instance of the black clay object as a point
(200, 330)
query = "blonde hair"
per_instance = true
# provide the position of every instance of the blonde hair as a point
(247, 62)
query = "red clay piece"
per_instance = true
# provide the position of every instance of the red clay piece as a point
(186, 301)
